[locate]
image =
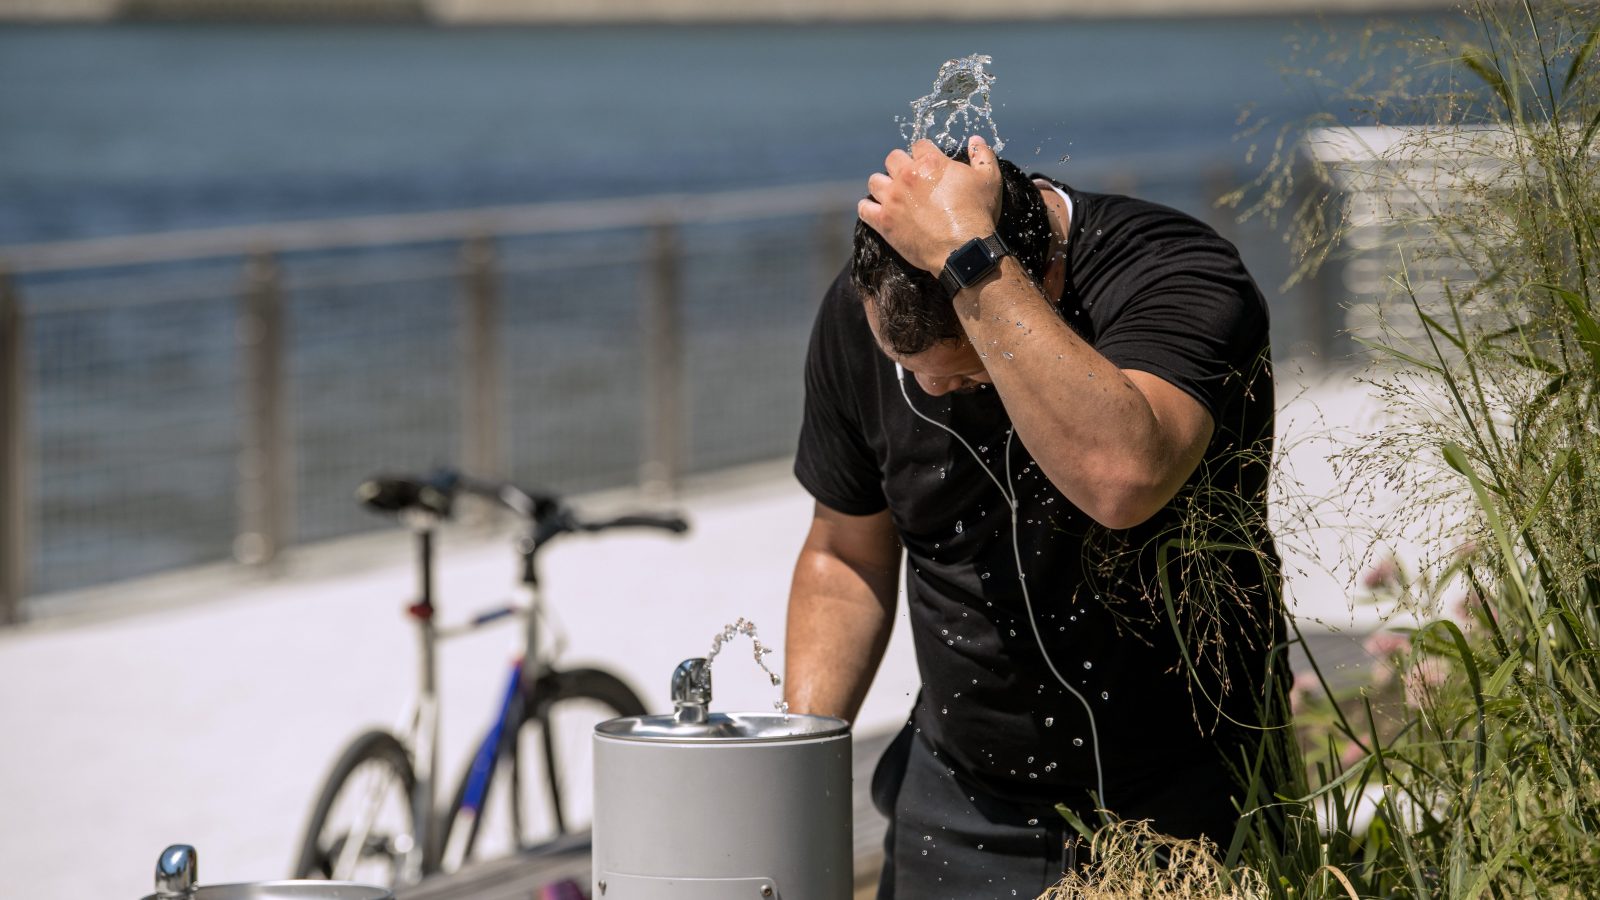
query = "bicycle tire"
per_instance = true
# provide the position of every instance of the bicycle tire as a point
(319, 850)
(549, 695)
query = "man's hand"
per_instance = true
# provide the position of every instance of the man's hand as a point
(928, 204)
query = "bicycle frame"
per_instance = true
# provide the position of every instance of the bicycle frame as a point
(420, 738)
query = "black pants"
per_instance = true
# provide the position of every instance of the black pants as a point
(947, 841)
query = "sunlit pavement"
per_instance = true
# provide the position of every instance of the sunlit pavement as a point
(207, 711)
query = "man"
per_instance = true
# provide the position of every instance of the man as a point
(1066, 430)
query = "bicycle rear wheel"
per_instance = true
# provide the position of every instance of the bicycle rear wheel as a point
(363, 825)
(545, 774)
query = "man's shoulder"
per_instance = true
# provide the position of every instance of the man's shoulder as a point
(1146, 218)
(842, 321)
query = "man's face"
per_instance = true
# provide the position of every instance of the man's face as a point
(949, 366)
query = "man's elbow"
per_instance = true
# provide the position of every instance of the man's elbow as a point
(1129, 500)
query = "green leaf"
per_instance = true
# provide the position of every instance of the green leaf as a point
(1442, 331)
(1581, 57)
(1481, 65)
(1077, 823)
(1588, 328)
(1357, 768)
(1588, 135)
(1558, 468)
(1481, 882)
(1399, 354)
(1457, 459)
(1536, 362)
(1502, 675)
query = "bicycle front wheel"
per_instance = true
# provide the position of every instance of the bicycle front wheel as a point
(543, 787)
(363, 826)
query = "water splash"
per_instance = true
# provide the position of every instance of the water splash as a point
(746, 627)
(958, 106)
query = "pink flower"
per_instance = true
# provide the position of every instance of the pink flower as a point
(1305, 686)
(1381, 575)
(1427, 675)
(1386, 645)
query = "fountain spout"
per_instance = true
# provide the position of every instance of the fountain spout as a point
(691, 691)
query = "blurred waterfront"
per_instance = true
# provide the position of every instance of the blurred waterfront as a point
(135, 376)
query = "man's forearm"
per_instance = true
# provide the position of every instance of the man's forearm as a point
(1090, 428)
(840, 617)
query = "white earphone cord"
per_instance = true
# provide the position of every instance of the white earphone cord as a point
(1022, 579)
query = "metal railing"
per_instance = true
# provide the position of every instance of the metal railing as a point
(179, 398)
(339, 352)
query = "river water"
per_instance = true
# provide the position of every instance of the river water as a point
(150, 127)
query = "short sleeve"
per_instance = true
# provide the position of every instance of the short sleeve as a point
(834, 462)
(1191, 316)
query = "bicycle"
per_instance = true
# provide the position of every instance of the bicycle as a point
(375, 818)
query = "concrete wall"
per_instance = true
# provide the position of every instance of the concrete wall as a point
(467, 11)
(602, 11)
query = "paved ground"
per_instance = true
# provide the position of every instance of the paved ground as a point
(209, 713)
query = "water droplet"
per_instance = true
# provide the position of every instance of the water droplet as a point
(944, 631)
(1013, 632)
(1048, 721)
(1105, 695)
(927, 837)
(984, 575)
(1087, 664)
(1031, 822)
(1077, 742)
(944, 710)
(958, 526)
(980, 846)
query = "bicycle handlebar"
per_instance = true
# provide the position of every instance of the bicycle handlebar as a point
(434, 495)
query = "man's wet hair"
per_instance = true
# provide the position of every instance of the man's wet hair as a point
(914, 312)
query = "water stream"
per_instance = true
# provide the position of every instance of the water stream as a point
(958, 106)
(746, 627)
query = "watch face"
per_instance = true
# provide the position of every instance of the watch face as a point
(972, 261)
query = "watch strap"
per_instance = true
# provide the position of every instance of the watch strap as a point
(952, 281)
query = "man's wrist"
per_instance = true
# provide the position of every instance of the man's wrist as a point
(972, 262)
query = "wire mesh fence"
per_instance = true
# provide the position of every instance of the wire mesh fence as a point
(195, 398)
(133, 424)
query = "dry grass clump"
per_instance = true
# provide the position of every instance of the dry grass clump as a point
(1131, 860)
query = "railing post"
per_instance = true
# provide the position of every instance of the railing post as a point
(663, 375)
(13, 454)
(266, 485)
(832, 248)
(481, 446)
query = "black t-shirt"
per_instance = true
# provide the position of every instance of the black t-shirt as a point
(1151, 289)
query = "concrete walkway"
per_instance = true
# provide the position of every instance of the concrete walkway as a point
(210, 713)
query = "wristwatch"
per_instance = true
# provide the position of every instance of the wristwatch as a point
(971, 263)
